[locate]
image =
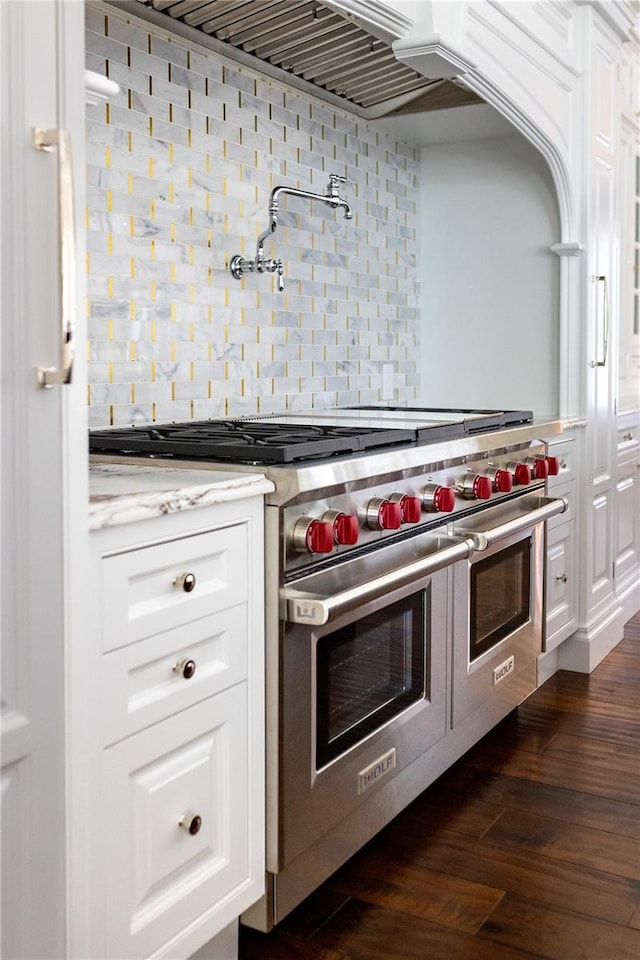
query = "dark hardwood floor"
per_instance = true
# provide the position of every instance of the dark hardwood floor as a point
(529, 846)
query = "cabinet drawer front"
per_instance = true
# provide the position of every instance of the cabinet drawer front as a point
(150, 680)
(565, 451)
(160, 878)
(568, 491)
(628, 440)
(144, 588)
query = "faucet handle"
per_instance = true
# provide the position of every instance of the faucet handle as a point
(335, 180)
(280, 272)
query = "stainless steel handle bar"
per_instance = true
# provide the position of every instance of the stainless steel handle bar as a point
(483, 539)
(314, 610)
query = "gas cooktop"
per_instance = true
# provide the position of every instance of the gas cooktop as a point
(258, 441)
(296, 438)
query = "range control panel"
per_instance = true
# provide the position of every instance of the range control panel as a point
(335, 525)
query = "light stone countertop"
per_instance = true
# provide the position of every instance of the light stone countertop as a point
(125, 493)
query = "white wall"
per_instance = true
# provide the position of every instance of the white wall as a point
(489, 281)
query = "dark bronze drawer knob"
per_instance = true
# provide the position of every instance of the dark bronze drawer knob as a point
(191, 823)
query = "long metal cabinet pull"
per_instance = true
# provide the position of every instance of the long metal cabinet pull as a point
(605, 321)
(47, 140)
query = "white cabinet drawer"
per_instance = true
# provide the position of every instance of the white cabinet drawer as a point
(147, 681)
(565, 451)
(159, 877)
(628, 440)
(144, 592)
(568, 492)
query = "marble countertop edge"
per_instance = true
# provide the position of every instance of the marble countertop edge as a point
(122, 494)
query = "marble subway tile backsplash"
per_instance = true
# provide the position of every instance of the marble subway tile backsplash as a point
(179, 171)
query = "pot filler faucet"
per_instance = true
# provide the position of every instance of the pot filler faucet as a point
(239, 266)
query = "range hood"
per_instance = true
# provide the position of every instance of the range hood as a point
(319, 44)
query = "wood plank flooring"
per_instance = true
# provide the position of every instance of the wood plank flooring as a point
(528, 847)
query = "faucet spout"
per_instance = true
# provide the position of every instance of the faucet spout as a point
(348, 213)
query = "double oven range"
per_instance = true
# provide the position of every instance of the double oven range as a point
(404, 605)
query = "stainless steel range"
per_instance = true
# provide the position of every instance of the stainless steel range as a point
(404, 577)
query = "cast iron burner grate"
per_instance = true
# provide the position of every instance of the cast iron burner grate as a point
(245, 441)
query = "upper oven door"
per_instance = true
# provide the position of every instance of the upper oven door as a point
(362, 695)
(498, 605)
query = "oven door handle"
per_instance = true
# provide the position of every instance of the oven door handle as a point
(483, 539)
(298, 606)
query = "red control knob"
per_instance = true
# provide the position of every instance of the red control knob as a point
(482, 488)
(554, 466)
(390, 515)
(313, 536)
(501, 480)
(521, 473)
(345, 528)
(319, 537)
(475, 487)
(445, 499)
(410, 507)
(384, 514)
(539, 467)
(438, 499)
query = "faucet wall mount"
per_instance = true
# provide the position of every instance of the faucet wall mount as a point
(261, 264)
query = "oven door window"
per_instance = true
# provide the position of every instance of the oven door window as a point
(500, 596)
(368, 672)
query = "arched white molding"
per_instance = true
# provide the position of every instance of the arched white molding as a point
(571, 387)
(525, 125)
(398, 28)
(431, 56)
(380, 18)
(406, 36)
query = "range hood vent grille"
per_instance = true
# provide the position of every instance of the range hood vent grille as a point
(307, 39)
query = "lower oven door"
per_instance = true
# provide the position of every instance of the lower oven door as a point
(498, 606)
(363, 694)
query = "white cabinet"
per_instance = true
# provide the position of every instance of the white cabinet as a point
(602, 142)
(42, 468)
(627, 549)
(177, 827)
(561, 583)
(178, 760)
(629, 334)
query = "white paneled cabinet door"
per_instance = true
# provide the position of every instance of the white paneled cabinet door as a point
(41, 50)
(602, 292)
(177, 822)
(561, 584)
